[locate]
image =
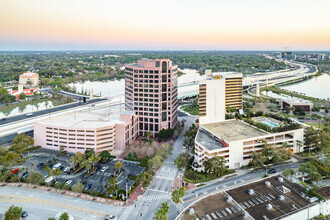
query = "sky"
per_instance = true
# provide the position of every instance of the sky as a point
(164, 25)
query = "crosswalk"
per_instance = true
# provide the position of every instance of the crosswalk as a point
(167, 172)
(180, 206)
(127, 212)
(157, 197)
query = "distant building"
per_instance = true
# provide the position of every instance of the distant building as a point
(298, 104)
(287, 55)
(151, 90)
(98, 130)
(218, 92)
(27, 92)
(29, 79)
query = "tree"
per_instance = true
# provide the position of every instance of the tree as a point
(178, 194)
(89, 153)
(307, 168)
(13, 213)
(105, 155)
(78, 188)
(51, 218)
(112, 186)
(20, 143)
(22, 96)
(87, 164)
(215, 165)
(118, 166)
(162, 212)
(189, 136)
(64, 216)
(182, 160)
(314, 176)
(289, 172)
(53, 172)
(78, 158)
(35, 178)
(156, 162)
(148, 134)
(257, 159)
(94, 159)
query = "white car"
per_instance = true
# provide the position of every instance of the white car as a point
(104, 169)
(49, 179)
(68, 182)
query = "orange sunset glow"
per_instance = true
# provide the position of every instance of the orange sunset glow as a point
(228, 25)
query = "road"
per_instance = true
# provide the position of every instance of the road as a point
(20, 117)
(161, 186)
(42, 204)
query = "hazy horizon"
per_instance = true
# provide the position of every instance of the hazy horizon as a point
(238, 25)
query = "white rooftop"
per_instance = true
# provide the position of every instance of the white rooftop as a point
(94, 117)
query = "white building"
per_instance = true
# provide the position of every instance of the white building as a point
(216, 93)
(29, 79)
(235, 140)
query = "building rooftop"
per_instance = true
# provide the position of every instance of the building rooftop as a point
(295, 100)
(215, 205)
(94, 117)
(233, 130)
(285, 198)
(28, 74)
(208, 140)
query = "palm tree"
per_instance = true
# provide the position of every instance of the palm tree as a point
(87, 165)
(162, 212)
(118, 165)
(112, 186)
(94, 159)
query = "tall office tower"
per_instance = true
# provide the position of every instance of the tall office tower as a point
(151, 90)
(216, 93)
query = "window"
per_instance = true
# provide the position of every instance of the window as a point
(164, 67)
(157, 64)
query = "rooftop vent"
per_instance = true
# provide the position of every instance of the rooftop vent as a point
(280, 179)
(269, 206)
(229, 199)
(283, 189)
(313, 199)
(267, 183)
(191, 211)
(265, 217)
(281, 197)
(293, 206)
(251, 191)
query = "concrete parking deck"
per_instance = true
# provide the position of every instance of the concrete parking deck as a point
(233, 130)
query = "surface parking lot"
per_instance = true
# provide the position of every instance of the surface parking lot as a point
(97, 179)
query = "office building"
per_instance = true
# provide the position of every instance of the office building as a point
(151, 91)
(218, 92)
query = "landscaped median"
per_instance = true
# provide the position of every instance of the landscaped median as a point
(65, 192)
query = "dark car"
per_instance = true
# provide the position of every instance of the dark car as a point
(25, 174)
(2, 119)
(88, 186)
(39, 165)
(271, 171)
(24, 214)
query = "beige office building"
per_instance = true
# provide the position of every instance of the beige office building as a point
(29, 79)
(216, 93)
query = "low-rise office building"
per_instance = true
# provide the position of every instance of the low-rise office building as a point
(98, 130)
(235, 140)
(29, 79)
(298, 104)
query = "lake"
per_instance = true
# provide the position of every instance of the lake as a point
(115, 88)
(11, 111)
(317, 87)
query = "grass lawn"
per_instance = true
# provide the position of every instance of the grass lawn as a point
(199, 177)
(315, 124)
(191, 110)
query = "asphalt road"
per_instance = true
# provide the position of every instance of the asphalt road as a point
(47, 111)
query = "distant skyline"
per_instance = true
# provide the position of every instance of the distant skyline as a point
(164, 25)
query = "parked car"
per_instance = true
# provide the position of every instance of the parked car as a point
(88, 186)
(15, 171)
(270, 171)
(68, 182)
(104, 169)
(49, 179)
(25, 174)
(67, 170)
(58, 165)
(24, 214)
(2, 119)
(40, 165)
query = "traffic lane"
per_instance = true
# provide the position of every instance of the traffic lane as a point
(234, 181)
(46, 111)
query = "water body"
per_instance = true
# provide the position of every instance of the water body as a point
(115, 88)
(25, 109)
(317, 87)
